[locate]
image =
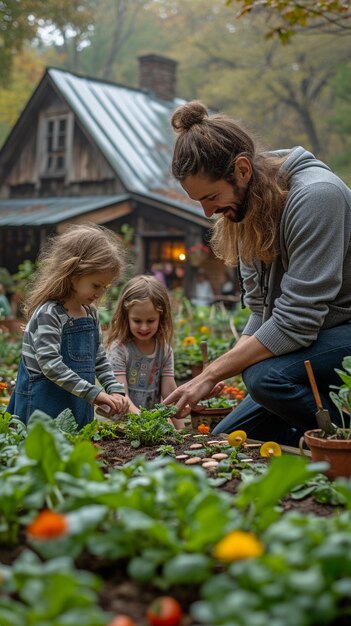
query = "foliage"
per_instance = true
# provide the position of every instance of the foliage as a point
(194, 324)
(165, 520)
(10, 352)
(292, 100)
(23, 276)
(21, 21)
(293, 103)
(5, 278)
(342, 399)
(306, 566)
(321, 488)
(151, 427)
(36, 593)
(333, 15)
(27, 68)
(219, 402)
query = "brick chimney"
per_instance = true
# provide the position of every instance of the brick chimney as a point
(159, 75)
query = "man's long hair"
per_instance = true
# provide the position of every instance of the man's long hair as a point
(209, 146)
(256, 237)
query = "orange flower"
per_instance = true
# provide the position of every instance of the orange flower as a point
(202, 428)
(48, 525)
(3, 385)
(238, 545)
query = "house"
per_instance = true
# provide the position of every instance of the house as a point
(89, 150)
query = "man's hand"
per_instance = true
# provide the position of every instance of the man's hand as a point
(189, 394)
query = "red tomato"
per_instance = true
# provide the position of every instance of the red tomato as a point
(164, 611)
(122, 620)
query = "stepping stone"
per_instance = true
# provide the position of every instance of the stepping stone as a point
(193, 460)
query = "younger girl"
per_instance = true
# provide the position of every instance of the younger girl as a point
(139, 343)
(62, 351)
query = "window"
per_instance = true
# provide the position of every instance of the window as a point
(55, 146)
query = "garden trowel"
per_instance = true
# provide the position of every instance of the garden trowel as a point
(322, 415)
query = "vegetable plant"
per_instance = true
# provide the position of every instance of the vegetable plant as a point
(151, 427)
(342, 399)
(55, 593)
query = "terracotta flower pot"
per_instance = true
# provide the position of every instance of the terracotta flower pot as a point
(337, 452)
(207, 416)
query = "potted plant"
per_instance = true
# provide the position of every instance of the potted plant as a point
(198, 254)
(212, 410)
(334, 444)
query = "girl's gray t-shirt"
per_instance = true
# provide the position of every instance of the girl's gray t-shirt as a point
(143, 372)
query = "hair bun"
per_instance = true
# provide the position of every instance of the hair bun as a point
(187, 115)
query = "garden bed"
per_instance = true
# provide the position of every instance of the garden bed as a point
(119, 593)
(115, 452)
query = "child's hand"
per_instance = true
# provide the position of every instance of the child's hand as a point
(122, 403)
(115, 402)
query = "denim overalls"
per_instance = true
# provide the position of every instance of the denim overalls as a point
(79, 344)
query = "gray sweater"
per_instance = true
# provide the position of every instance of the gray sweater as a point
(308, 286)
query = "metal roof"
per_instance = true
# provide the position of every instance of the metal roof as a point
(45, 211)
(131, 127)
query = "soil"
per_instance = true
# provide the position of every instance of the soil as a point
(121, 595)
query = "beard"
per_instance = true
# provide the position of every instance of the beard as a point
(242, 205)
(236, 216)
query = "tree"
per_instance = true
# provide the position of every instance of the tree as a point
(283, 92)
(126, 12)
(23, 20)
(289, 16)
(124, 30)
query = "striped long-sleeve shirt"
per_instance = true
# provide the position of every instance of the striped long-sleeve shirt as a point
(41, 352)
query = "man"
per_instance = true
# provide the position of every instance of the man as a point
(285, 219)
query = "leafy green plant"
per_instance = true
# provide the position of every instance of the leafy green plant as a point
(321, 489)
(55, 593)
(151, 427)
(10, 353)
(37, 473)
(302, 578)
(259, 497)
(218, 402)
(23, 276)
(166, 450)
(342, 399)
(163, 519)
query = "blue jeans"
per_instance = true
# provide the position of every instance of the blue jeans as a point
(280, 405)
(79, 343)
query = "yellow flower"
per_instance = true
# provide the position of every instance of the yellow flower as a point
(204, 330)
(270, 448)
(237, 545)
(189, 341)
(181, 322)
